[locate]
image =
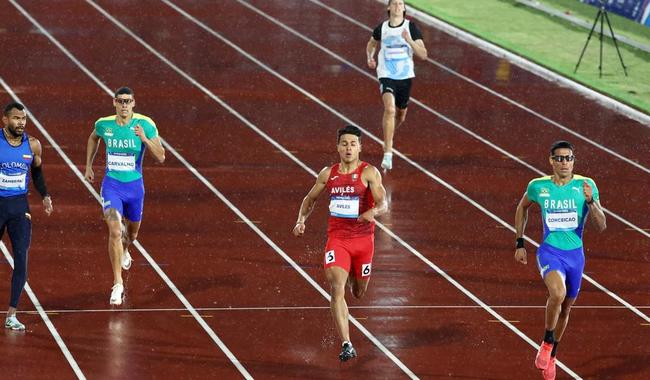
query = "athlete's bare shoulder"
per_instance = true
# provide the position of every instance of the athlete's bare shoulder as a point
(34, 143)
(370, 171)
(324, 174)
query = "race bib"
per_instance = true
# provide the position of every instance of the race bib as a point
(393, 53)
(121, 162)
(344, 207)
(330, 257)
(562, 220)
(13, 182)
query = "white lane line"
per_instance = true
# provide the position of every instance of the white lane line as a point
(146, 255)
(548, 75)
(276, 144)
(424, 106)
(32, 296)
(225, 200)
(299, 308)
(379, 141)
(476, 136)
(551, 76)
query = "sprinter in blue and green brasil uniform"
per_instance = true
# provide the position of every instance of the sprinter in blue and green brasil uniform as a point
(565, 199)
(127, 135)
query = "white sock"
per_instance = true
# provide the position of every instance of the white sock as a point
(346, 341)
(388, 154)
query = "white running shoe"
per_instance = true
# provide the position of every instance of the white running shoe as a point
(387, 162)
(14, 324)
(126, 260)
(117, 293)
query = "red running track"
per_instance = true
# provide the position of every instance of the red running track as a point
(268, 315)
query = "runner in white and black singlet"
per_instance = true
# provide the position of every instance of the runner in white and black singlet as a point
(400, 39)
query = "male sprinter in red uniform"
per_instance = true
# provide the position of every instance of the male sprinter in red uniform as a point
(357, 196)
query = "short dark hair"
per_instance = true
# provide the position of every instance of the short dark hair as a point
(348, 130)
(561, 144)
(124, 91)
(13, 105)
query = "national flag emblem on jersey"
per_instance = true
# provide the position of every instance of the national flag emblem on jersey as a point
(543, 192)
(354, 176)
(108, 132)
(27, 156)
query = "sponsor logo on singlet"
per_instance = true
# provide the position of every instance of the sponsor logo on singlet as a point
(543, 192)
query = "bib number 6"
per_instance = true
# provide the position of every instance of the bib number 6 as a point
(366, 269)
(329, 257)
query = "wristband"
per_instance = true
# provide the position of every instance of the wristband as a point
(519, 243)
(39, 181)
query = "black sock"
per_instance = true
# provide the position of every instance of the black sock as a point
(554, 351)
(548, 337)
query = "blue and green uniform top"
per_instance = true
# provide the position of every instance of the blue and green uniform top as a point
(124, 149)
(564, 209)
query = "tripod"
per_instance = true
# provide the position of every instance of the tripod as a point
(602, 14)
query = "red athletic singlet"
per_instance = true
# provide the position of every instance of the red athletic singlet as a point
(349, 198)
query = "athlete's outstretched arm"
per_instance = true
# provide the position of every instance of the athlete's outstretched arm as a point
(521, 218)
(309, 201)
(91, 151)
(373, 177)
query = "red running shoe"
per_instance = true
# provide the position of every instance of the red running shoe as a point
(543, 355)
(549, 372)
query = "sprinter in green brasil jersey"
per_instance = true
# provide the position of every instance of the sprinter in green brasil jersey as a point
(566, 200)
(127, 136)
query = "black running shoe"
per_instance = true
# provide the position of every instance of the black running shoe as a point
(347, 352)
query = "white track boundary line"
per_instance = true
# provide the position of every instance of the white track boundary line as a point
(436, 23)
(296, 308)
(252, 226)
(230, 205)
(32, 296)
(398, 153)
(142, 250)
(429, 109)
(216, 192)
(524, 63)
